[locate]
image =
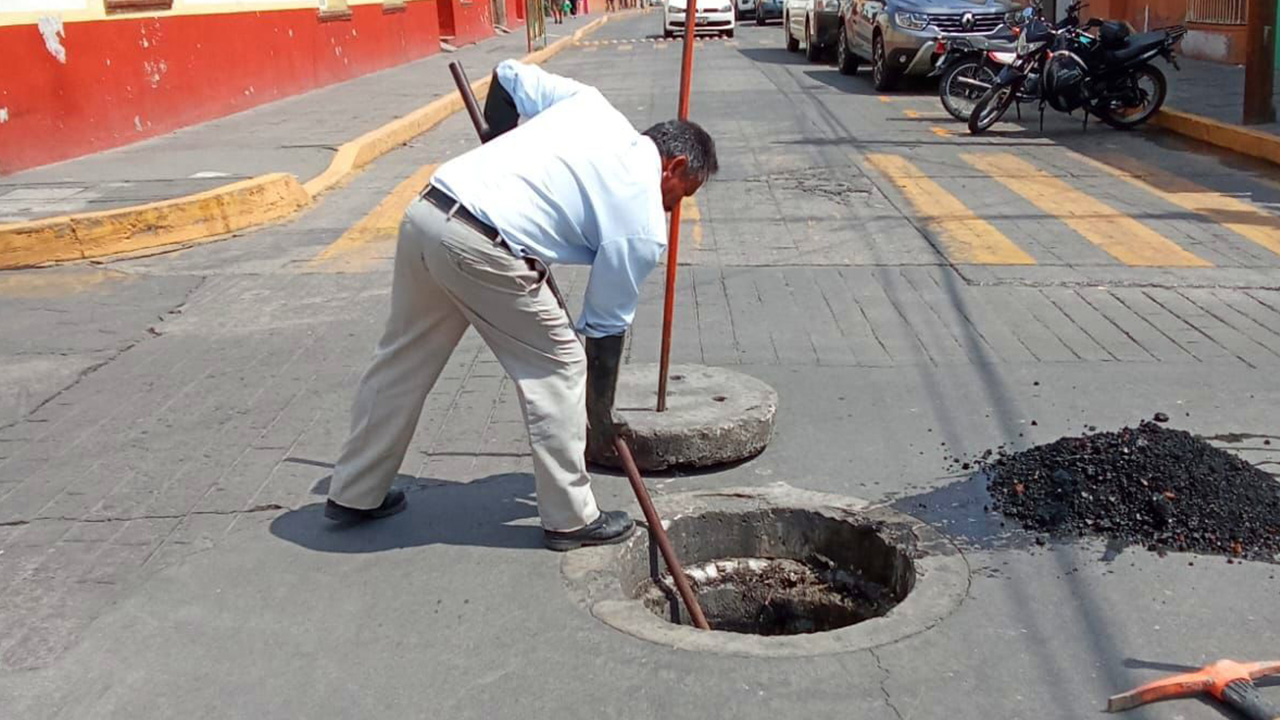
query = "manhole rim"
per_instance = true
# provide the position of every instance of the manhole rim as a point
(942, 580)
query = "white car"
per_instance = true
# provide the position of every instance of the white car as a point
(746, 8)
(713, 16)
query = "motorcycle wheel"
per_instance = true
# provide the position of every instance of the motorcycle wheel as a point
(959, 89)
(1151, 86)
(990, 108)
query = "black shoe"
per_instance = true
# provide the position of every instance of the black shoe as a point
(611, 527)
(393, 503)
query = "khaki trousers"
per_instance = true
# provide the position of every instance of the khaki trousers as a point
(448, 276)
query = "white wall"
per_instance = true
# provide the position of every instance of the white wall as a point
(15, 6)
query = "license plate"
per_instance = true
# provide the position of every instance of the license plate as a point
(702, 21)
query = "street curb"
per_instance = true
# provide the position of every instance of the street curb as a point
(233, 207)
(213, 212)
(1263, 146)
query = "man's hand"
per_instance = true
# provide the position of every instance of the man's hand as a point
(604, 358)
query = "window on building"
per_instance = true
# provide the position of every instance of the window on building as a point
(1218, 12)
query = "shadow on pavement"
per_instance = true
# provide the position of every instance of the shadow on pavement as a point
(488, 512)
(963, 510)
(1167, 161)
(775, 56)
(860, 84)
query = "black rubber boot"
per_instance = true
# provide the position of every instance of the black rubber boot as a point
(604, 358)
(499, 109)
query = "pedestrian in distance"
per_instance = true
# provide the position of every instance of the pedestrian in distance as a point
(473, 251)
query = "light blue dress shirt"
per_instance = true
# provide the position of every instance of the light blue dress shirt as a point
(574, 183)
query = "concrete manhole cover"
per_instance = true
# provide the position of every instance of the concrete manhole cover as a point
(714, 416)
(779, 572)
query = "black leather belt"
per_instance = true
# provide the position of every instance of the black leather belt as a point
(454, 209)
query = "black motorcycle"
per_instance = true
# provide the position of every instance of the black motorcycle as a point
(968, 65)
(968, 68)
(1109, 76)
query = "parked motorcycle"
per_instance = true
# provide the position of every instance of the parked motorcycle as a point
(968, 65)
(968, 68)
(1109, 76)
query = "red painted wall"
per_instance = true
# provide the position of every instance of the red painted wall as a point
(126, 80)
(1221, 43)
(472, 20)
(515, 12)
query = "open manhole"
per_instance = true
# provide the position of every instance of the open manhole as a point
(810, 573)
(778, 572)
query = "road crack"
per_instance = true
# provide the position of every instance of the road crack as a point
(267, 507)
(147, 332)
(884, 684)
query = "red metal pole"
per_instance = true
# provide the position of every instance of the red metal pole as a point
(673, 249)
(686, 67)
(659, 535)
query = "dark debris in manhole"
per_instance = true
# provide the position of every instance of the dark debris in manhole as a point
(1151, 485)
(780, 596)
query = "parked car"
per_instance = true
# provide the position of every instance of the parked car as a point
(815, 23)
(713, 16)
(769, 10)
(746, 8)
(900, 37)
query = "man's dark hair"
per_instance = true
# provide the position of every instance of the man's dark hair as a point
(681, 137)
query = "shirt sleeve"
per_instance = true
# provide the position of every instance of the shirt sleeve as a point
(613, 290)
(535, 89)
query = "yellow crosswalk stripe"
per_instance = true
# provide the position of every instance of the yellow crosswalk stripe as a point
(689, 212)
(354, 250)
(1124, 238)
(628, 46)
(1238, 216)
(939, 131)
(966, 237)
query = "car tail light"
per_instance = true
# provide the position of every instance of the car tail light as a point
(940, 48)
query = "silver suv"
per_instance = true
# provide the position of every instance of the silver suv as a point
(900, 37)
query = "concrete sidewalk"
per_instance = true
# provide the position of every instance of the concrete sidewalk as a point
(297, 135)
(1211, 90)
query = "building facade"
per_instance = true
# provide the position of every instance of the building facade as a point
(82, 76)
(1216, 28)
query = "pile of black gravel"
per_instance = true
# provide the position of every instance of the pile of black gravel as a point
(1149, 485)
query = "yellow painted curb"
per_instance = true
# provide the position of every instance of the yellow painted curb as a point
(213, 212)
(1238, 139)
(228, 208)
